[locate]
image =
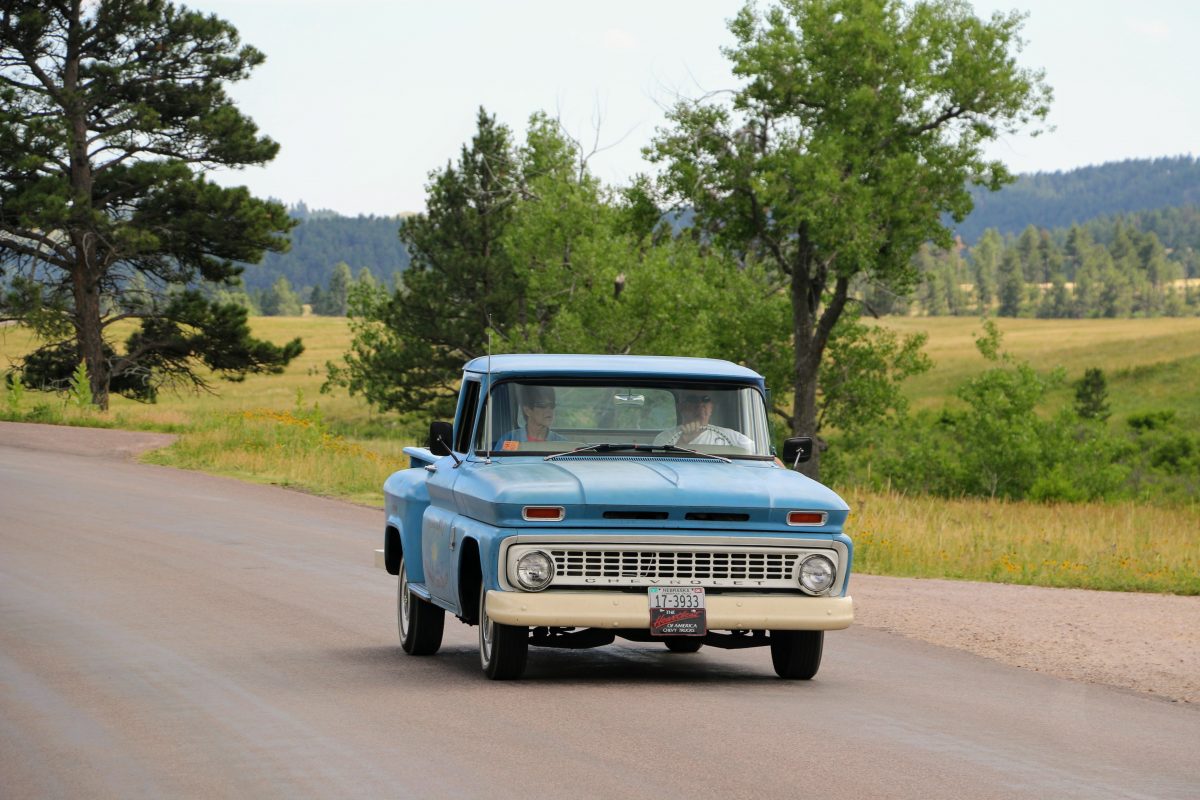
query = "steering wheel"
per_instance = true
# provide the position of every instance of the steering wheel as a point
(718, 431)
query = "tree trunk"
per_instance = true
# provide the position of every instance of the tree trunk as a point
(86, 271)
(811, 328)
(804, 401)
(86, 291)
(805, 361)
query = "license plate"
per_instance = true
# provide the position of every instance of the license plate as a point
(677, 611)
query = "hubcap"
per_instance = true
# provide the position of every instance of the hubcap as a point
(403, 601)
(485, 633)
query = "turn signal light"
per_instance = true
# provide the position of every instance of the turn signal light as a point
(806, 518)
(543, 513)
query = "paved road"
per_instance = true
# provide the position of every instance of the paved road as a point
(168, 634)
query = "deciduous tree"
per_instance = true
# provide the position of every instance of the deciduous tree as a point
(859, 124)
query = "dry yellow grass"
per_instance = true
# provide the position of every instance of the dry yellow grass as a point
(325, 339)
(1123, 547)
(275, 429)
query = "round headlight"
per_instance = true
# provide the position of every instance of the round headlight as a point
(535, 570)
(816, 574)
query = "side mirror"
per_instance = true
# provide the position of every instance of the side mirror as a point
(797, 450)
(440, 436)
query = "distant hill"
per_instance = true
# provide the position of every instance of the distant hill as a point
(1060, 199)
(1161, 194)
(322, 239)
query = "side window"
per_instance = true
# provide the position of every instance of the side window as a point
(466, 417)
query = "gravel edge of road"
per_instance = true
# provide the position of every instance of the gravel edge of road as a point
(1145, 643)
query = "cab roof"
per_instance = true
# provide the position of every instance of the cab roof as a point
(545, 365)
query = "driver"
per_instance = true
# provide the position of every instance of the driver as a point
(537, 407)
(694, 409)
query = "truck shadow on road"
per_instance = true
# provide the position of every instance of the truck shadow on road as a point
(646, 664)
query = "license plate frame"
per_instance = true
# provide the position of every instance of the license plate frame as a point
(677, 611)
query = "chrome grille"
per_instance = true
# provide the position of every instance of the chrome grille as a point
(597, 565)
(730, 565)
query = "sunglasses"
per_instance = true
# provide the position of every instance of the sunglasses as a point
(696, 399)
(542, 404)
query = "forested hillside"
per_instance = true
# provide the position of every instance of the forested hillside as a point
(322, 240)
(1108, 202)
(1178, 229)
(1112, 267)
(1061, 199)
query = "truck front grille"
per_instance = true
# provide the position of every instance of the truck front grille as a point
(724, 565)
(598, 566)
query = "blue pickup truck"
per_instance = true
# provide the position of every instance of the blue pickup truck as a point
(576, 499)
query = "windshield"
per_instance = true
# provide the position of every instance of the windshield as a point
(540, 418)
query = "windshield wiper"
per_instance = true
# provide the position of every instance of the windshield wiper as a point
(609, 447)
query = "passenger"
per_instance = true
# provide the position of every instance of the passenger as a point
(537, 408)
(694, 409)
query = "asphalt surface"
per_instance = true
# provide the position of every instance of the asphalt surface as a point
(171, 634)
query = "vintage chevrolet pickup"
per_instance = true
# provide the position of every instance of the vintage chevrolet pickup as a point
(578, 498)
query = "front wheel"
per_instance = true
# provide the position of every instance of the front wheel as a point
(796, 655)
(503, 649)
(420, 622)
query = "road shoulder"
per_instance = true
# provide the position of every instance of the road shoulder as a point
(94, 442)
(1147, 643)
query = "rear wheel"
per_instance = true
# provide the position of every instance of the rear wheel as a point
(796, 655)
(684, 644)
(503, 649)
(420, 622)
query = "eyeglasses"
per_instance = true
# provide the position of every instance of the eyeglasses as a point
(542, 404)
(696, 399)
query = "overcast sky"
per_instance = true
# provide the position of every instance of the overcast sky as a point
(367, 96)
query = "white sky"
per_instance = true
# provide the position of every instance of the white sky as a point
(366, 97)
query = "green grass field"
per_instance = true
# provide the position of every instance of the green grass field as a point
(281, 430)
(1150, 363)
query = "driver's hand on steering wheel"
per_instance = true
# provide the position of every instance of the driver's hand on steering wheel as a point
(689, 431)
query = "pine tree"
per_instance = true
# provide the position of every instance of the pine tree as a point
(110, 111)
(409, 348)
(985, 257)
(1012, 284)
(1091, 395)
(338, 295)
(281, 300)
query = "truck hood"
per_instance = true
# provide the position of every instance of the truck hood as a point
(614, 489)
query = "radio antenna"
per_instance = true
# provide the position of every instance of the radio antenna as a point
(487, 422)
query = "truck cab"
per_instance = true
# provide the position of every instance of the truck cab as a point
(576, 499)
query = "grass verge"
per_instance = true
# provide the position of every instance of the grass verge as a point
(1117, 547)
(286, 448)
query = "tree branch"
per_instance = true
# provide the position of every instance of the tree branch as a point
(12, 241)
(829, 318)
